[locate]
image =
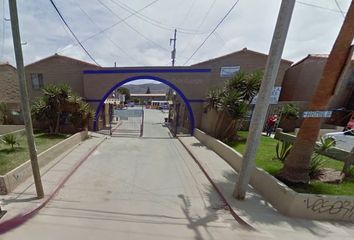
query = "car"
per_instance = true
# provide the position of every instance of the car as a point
(343, 140)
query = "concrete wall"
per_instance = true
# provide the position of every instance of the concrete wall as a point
(301, 80)
(281, 197)
(248, 61)
(58, 70)
(9, 85)
(194, 85)
(11, 180)
(4, 129)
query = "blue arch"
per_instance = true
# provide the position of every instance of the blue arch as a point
(158, 79)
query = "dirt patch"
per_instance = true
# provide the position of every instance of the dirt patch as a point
(329, 175)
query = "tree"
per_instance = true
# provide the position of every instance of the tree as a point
(297, 165)
(57, 100)
(124, 91)
(4, 113)
(148, 90)
(232, 102)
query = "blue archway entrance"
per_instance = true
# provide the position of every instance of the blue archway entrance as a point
(148, 77)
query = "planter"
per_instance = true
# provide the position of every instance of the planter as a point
(12, 179)
(280, 196)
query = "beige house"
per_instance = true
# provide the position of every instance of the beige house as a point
(225, 66)
(56, 69)
(92, 82)
(302, 79)
(244, 60)
(9, 91)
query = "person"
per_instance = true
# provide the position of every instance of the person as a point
(271, 123)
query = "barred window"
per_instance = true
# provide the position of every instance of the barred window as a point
(37, 80)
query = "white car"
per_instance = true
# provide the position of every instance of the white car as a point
(344, 140)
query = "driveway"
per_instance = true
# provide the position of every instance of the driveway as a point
(136, 188)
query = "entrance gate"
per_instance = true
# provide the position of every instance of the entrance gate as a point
(129, 122)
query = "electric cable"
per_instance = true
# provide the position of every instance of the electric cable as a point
(216, 27)
(71, 31)
(131, 27)
(109, 27)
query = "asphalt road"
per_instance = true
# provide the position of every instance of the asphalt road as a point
(135, 188)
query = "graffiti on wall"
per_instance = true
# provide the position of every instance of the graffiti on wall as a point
(342, 208)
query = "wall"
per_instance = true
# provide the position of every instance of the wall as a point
(281, 197)
(248, 61)
(11, 180)
(4, 129)
(57, 70)
(10, 92)
(194, 85)
(301, 80)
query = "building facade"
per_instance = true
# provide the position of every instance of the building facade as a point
(302, 79)
(56, 69)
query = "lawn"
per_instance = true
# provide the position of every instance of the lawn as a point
(265, 160)
(10, 159)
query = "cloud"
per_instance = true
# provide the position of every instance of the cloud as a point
(144, 39)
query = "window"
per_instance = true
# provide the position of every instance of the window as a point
(37, 80)
(229, 71)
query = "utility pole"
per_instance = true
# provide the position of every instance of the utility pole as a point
(24, 98)
(263, 99)
(173, 53)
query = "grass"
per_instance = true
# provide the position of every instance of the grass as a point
(10, 159)
(265, 160)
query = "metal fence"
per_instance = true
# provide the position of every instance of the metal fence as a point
(130, 122)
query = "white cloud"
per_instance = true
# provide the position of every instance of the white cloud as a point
(251, 25)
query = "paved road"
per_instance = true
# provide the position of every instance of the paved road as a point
(135, 188)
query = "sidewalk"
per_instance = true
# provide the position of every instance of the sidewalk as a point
(257, 211)
(23, 199)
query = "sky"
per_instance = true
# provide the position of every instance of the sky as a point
(143, 38)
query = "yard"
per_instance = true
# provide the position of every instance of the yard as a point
(265, 160)
(10, 159)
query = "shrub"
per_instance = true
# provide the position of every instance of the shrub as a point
(318, 161)
(282, 150)
(10, 139)
(290, 111)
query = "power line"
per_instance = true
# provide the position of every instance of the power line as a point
(131, 27)
(317, 6)
(154, 22)
(108, 37)
(216, 27)
(199, 26)
(62, 18)
(340, 9)
(110, 27)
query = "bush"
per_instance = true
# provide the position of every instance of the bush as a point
(282, 151)
(318, 161)
(290, 111)
(10, 139)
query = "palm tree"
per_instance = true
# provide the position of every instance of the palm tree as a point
(232, 102)
(297, 164)
(57, 100)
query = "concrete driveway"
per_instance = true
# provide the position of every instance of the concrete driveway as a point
(136, 188)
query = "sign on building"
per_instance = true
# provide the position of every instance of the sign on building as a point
(229, 71)
(273, 98)
(317, 114)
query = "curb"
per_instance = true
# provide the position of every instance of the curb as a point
(23, 217)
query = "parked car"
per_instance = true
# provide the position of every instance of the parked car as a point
(344, 140)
